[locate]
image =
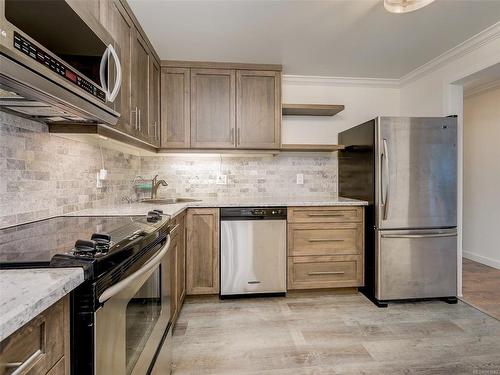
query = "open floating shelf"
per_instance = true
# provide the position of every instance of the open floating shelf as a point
(311, 109)
(311, 148)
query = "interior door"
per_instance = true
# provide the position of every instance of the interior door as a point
(417, 172)
(416, 264)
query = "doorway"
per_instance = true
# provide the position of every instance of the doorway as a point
(481, 191)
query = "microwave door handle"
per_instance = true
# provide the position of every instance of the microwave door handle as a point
(150, 264)
(102, 71)
(118, 80)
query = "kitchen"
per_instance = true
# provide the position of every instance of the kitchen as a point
(263, 186)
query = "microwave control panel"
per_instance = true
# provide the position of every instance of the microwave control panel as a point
(26, 47)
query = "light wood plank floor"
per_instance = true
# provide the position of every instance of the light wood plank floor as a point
(333, 334)
(481, 287)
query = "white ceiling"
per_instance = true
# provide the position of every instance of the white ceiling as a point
(342, 38)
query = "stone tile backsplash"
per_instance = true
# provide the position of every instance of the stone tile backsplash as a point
(44, 175)
(196, 176)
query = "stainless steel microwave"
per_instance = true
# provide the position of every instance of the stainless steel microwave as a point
(58, 63)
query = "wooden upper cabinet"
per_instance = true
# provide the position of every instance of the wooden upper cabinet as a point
(140, 85)
(202, 251)
(213, 108)
(175, 108)
(258, 109)
(121, 28)
(154, 102)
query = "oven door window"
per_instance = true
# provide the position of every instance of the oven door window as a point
(56, 26)
(142, 313)
(130, 325)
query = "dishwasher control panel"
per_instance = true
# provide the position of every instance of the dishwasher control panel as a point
(267, 213)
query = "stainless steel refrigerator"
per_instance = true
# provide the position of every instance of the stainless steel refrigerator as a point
(406, 168)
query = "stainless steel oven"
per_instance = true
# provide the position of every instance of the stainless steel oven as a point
(134, 318)
(56, 52)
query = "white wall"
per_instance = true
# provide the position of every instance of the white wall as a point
(435, 90)
(482, 177)
(364, 99)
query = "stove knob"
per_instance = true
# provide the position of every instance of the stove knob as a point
(102, 242)
(101, 236)
(158, 210)
(153, 218)
(154, 213)
(85, 247)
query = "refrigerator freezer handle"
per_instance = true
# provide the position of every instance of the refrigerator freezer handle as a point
(427, 235)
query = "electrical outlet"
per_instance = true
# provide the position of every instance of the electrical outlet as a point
(221, 179)
(300, 179)
(98, 181)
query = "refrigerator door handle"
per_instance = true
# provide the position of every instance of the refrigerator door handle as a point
(385, 181)
(426, 235)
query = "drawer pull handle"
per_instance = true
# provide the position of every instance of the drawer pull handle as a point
(326, 273)
(325, 214)
(22, 366)
(325, 240)
(254, 282)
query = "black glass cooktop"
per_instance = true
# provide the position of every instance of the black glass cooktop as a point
(34, 244)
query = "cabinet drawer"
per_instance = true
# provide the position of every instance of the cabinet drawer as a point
(325, 239)
(325, 214)
(37, 346)
(316, 272)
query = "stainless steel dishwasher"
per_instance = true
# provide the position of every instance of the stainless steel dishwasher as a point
(253, 251)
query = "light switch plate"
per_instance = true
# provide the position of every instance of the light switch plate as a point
(221, 179)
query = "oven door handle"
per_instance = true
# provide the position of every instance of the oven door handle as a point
(150, 264)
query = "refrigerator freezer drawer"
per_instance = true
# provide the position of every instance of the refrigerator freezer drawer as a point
(416, 264)
(253, 256)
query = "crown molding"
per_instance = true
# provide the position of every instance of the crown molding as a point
(341, 81)
(482, 88)
(484, 37)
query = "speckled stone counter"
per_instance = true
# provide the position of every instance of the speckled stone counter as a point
(25, 293)
(174, 209)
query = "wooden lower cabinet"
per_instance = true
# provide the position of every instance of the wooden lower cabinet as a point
(202, 253)
(316, 272)
(325, 247)
(41, 346)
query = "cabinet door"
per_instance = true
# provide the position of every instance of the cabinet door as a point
(154, 103)
(212, 108)
(202, 253)
(258, 109)
(140, 85)
(175, 108)
(121, 28)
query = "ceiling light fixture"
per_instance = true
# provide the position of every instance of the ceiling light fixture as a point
(405, 6)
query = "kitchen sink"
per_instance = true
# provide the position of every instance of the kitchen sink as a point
(170, 200)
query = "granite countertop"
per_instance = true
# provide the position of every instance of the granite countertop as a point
(25, 293)
(139, 208)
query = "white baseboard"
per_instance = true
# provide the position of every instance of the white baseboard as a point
(480, 259)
